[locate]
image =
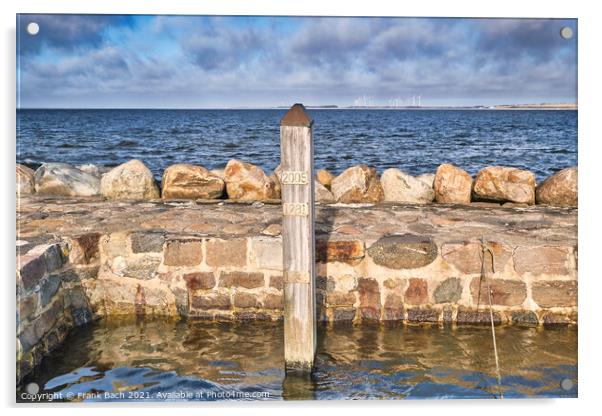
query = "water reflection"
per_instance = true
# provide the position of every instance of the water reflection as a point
(167, 360)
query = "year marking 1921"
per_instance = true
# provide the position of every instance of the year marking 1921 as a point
(295, 209)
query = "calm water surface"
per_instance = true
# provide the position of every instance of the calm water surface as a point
(150, 360)
(415, 141)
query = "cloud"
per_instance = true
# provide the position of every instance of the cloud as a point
(231, 61)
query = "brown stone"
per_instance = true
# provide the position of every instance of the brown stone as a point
(356, 185)
(25, 180)
(466, 256)
(248, 182)
(559, 189)
(245, 300)
(212, 301)
(273, 301)
(200, 280)
(542, 260)
(241, 279)
(393, 308)
(147, 242)
(277, 282)
(324, 177)
(322, 194)
(417, 292)
(452, 185)
(183, 253)
(340, 298)
(185, 181)
(224, 253)
(349, 251)
(559, 318)
(555, 293)
(395, 284)
(498, 183)
(84, 249)
(504, 291)
(369, 294)
(403, 251)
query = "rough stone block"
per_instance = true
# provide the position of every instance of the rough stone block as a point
(225, 253)
(183, 253)
(267, 253)
(147, 242)
(48, 289)
(84, 249)
(417, 292)
(199, 280)
(369, 294)
(273, 301)
(31, 270)
(343, 314)
(277, 282)
(245, 300)
(241, 279)
(27, 306)
(504, 291)
(114, 244)
(406, 251)
(542, 260)
(555, 293)
(418, 315)
(393, 308)
(212, 301)
(144, 268)
(472, 316)
(340, 298)
(350, 252)
(524, 318)
(448, 291)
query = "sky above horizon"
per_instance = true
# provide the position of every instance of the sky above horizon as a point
(144, 61)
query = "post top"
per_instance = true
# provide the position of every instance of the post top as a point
(296, 116)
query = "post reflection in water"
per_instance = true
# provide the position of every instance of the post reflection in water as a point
(244, 361)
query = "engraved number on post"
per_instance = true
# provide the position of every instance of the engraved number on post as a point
(294, 177)
(295, 209)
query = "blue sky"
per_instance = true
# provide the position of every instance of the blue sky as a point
(110, 61)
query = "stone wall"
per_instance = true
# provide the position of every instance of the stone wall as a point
(224, 262)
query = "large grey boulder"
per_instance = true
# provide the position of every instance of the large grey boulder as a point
(129, 181)
(61, 179)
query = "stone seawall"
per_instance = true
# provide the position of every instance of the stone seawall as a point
(84, 258)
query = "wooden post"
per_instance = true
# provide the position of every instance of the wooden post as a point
(298, 239)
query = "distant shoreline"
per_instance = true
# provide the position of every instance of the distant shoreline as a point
(566, 107)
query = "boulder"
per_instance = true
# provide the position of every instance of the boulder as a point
(219, 173)
(25, 180)
(61, 179)
(398, 186)
(94, 170)
(322, 194)
(247, 182)
(184, 181)
(324, 177)
(357, 184)
(428, 178)
(498, 183)
(560, 189)
(452, 185)
(129, 181)
(275, 176)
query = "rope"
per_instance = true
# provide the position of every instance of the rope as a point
(485, 248)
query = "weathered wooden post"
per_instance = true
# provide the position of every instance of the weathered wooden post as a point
(297, 180)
